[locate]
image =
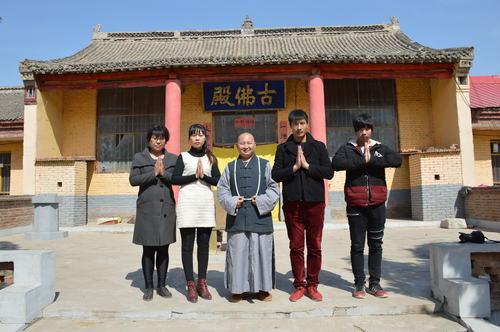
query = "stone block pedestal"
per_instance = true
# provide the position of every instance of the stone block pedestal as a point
(46, 218)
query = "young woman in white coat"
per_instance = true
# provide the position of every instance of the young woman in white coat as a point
(196, 171)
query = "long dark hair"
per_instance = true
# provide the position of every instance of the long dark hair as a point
(193, 129)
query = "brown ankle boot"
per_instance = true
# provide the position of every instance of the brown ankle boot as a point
(191, 292)
(202, 289)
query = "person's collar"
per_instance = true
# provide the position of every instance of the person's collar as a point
(309, 138)
(371, 142)
(248, 160)
(196, 152)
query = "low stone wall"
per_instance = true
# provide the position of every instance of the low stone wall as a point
(483, 203)
(15, 211)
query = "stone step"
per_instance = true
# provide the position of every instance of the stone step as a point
(239, 312)
(386, 323)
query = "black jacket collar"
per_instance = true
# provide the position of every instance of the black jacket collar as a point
(307, 147)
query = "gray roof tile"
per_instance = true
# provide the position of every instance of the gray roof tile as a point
(11, 103)
(122, 51)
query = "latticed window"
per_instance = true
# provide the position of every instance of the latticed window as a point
(4, 173)
(495, 162)
(228, 126)
(347, 98)
(123, 118)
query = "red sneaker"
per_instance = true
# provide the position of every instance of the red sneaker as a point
(312, 292)
(297, 294)
(377, 291)
(359, 292)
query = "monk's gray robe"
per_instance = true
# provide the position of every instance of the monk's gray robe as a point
(250, 263)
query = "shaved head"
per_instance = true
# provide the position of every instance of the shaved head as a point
(243, 136)
(246, 146)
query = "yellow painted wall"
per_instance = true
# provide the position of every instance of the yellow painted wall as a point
(108, 183)
(79, 118)
(16, 165)
(452, 122)
(414, 114)
(444, 112)
(482, 155)
(49, 125)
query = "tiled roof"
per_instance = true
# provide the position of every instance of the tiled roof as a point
(485, 91)
(124, 51)
(11, 103)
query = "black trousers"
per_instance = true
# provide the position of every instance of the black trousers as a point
(148, 263)
(366, 221)
(202, 235)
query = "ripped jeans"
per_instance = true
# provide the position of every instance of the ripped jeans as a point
(365, 220)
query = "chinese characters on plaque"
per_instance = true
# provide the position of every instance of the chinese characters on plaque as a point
(245, 95)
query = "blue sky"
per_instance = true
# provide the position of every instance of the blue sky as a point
(51, 29)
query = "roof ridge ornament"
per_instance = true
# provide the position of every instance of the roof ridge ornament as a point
(394, 22)
(247, 26)
(96, 32)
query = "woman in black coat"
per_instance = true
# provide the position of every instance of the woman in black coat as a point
(155, 217)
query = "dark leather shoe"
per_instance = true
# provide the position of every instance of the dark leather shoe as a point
(148, 294)
(201, 288)
(163, 292)
(191, 292)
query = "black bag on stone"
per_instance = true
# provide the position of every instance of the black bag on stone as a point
(473, 237)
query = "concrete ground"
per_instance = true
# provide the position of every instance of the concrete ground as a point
(99, 287)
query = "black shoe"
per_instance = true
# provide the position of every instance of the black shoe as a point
(163, 292)
(148, 294)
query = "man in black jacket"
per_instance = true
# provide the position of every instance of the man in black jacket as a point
(302, 164)
(365, 192)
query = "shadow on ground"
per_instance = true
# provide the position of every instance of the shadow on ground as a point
(5, 245)
(410, 279)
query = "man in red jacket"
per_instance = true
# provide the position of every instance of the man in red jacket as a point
(302, 164)
(365, 192)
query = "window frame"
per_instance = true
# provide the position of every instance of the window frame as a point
(496, 182)
(99, 168)
(9, 166)
(273, 112)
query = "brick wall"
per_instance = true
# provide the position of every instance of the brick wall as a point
(483, 204)
(414, 106)
(488, 264)
(15, 211)
(67, 179)
(436, 179)
(80, 119)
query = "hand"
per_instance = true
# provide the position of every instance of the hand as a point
(298, 161)
(303, 161)
(367, 152)
(159, 167)
(199, 170)
(239, 202)
(254, 200)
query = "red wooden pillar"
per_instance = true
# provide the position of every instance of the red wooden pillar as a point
(173, 115)
(173, 120)
(317, 108)
(317, 114)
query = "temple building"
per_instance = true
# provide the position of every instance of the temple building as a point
(86, 115)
